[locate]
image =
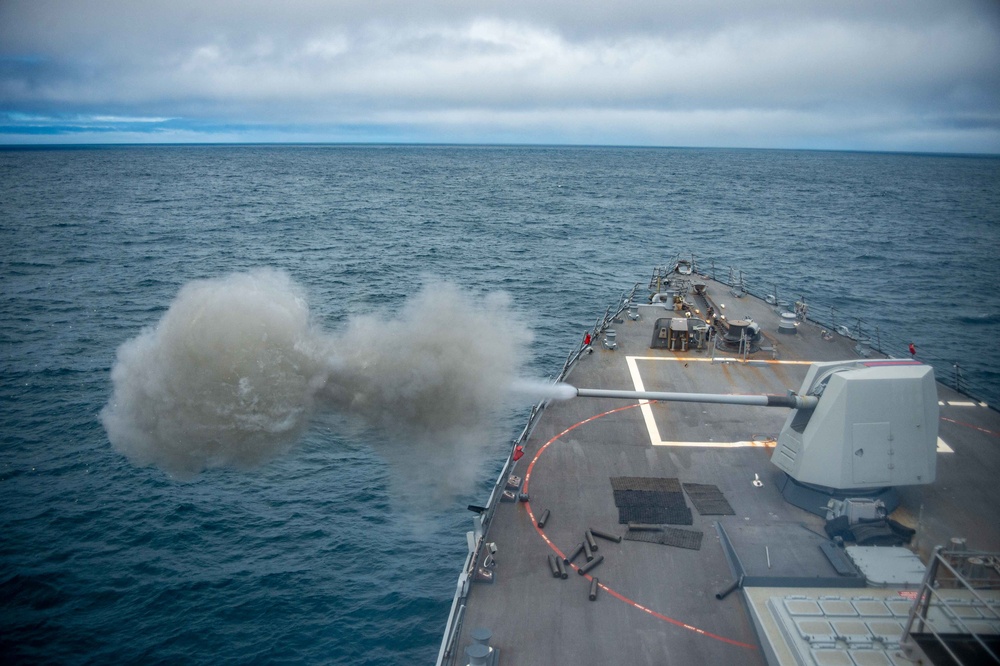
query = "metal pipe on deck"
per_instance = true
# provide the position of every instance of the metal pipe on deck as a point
(737, 584)
(761, 400)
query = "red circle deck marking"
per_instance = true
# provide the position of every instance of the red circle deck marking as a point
(969, 425)
(613, 593)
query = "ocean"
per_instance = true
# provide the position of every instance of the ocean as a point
(344, 545)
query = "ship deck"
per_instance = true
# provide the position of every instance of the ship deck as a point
(657, 603)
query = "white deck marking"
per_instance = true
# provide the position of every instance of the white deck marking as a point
(650, 420)
(654, 430)
(961, 403)
(720, 445)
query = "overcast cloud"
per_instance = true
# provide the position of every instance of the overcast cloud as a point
(917, 75)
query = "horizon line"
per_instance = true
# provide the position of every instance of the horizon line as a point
(433, 144)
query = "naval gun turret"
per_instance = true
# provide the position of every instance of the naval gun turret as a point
(856, 429)
(875, 427)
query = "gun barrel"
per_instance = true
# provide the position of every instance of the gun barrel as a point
(761, 400)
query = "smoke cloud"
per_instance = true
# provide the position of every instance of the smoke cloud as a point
(234, 371)
(444, 362)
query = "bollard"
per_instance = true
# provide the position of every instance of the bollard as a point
(478, 655)
(481, 636)
(589, 538)
(587, 552)
(593, 590)
(562, 569)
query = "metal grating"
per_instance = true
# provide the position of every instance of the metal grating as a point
(708, 499)
(652, 514)
(654, 500)
(668, 536)
(656, 483)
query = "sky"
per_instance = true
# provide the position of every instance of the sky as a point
(913, 75)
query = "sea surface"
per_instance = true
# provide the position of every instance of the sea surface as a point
(312, 557)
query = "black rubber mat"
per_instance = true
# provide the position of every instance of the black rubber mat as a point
(668, 536)
(659, 515)
(649, 536)
(642, 499)
(649, 498)
(665, 484)
(708, 499)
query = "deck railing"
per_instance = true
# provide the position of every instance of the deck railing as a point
(955, 589)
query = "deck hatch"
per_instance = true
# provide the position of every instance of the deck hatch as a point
(889, 632)
(871, 607)
(837, 606)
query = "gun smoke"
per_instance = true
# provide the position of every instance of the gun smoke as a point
(236, 368)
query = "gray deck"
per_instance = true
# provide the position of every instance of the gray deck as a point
(657, 604)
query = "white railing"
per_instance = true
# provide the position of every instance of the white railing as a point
(957, 582)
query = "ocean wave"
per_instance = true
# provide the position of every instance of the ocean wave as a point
(983, 319)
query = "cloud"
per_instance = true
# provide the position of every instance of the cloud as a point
(859, 75)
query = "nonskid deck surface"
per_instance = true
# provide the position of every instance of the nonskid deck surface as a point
(657, 603)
